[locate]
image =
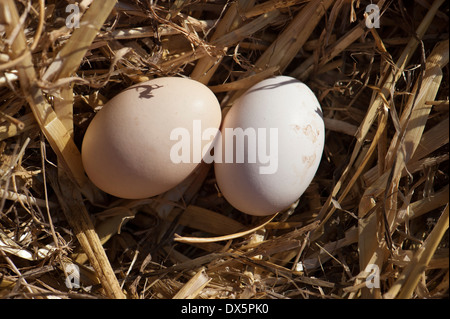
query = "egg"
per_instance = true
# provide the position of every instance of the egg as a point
(148, 138)
(270, 147)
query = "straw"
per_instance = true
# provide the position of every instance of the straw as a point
(372, 224)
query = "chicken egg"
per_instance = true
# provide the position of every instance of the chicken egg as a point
(271, 144)
(130, 148)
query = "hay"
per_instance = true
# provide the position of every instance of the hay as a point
(377, 208)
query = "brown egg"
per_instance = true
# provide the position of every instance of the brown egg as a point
(148, 138)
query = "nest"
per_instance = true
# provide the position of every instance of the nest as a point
(372, 224)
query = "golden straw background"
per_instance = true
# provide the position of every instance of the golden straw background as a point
(380, 197)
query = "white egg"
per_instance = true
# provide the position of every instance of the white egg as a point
(280, 120)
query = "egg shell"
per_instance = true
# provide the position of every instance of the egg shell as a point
(126, 150)
(289, 106)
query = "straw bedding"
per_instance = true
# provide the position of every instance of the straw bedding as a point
(372, 224)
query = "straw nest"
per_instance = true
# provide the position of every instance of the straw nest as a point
(373, 223)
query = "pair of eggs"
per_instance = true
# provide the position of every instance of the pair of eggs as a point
(150, 137)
